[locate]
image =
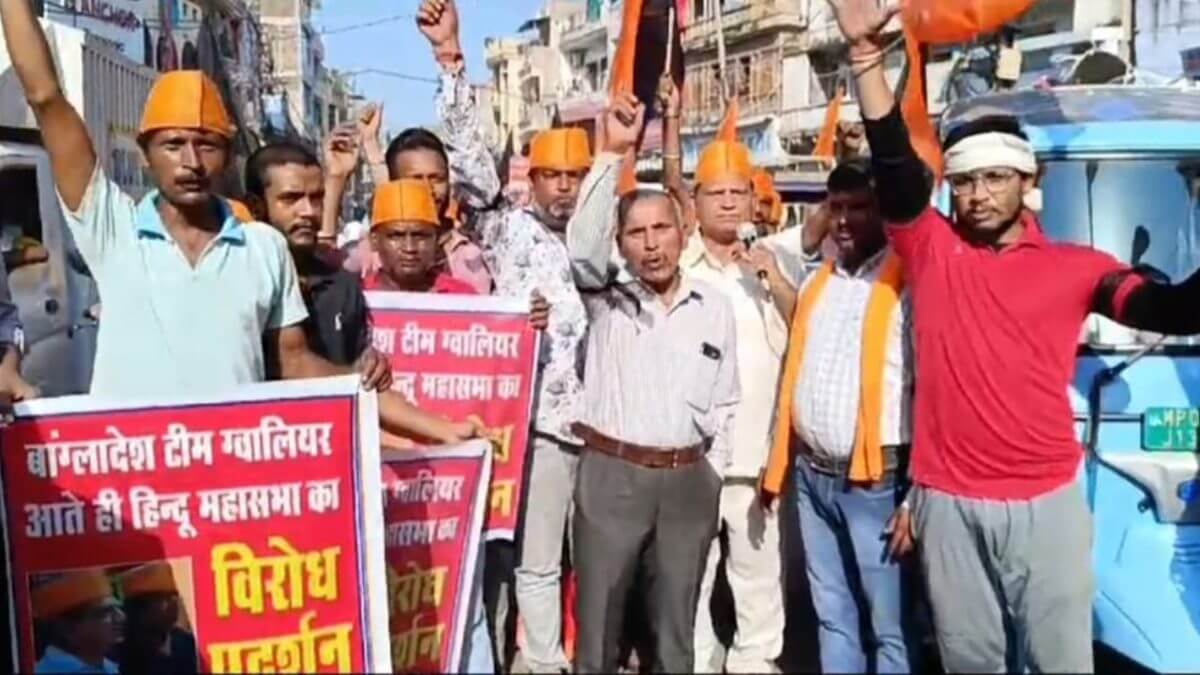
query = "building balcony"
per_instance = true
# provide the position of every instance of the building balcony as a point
(583, 34)
(753, 18)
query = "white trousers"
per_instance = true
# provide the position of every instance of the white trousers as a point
(753, 568)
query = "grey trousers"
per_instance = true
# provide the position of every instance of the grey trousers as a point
(1010, 582)
(628, 516)
(539, 572)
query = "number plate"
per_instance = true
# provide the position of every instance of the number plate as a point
(1171, 429)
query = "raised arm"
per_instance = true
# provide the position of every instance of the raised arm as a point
(591, 232)
(72, 156)
(671, 100)
(341, 161)
(472, 169)
(369, 124)
(893, 160)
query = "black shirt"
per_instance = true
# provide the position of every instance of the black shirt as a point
(182, 659)
(338, 327)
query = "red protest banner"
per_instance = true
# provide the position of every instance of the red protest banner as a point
(463, 356)
(246, 530)
(433, 506)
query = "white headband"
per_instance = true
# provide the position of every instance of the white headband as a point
(992, 149)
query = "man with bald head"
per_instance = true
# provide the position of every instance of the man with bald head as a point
(659, 396)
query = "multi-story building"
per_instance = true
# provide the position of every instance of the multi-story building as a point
(759, 37)
(532, 70)
(298, 59)
(220, 37)
(504, 61)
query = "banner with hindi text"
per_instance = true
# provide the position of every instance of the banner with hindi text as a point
(246, 530)
(433, 503)
(464, 356)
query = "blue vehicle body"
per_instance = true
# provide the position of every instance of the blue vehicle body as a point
(1118, 160)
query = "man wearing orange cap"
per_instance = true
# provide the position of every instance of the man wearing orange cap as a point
(154, 643)
(404, 234)
(525, 252)
(182, 279)
(459, 170)
(768, 204)
(82, 621)
(717, 254)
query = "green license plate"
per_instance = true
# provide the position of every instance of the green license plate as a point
(1171, 429)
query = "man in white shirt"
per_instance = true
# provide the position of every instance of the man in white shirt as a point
(724, 204)
(844, 413)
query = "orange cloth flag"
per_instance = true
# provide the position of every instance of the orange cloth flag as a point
(728, 130)
(938, 22)
(941, 22)
(826, 141)
(914, 108)
(646, 35)
(866, 458)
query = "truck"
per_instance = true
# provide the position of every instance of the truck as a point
(1121, 173)
(54, 292)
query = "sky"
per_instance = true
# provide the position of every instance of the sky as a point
(396, 46)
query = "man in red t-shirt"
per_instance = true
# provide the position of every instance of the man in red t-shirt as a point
(1003, 529)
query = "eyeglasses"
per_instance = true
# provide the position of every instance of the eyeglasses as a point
(994, 180)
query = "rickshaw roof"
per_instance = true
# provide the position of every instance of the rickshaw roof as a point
(1094, 119)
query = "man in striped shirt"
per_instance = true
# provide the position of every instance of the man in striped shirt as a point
(660, 390)
(846, 393)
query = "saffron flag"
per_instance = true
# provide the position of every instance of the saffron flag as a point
(935, 22)
(728, 130)
(826, 146)
(948, 21)
(649, 34)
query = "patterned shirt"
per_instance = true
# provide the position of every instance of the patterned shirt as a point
(472, 171)
(525, 255)
(825, 404)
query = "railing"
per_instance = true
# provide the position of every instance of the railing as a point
(754, 14)
(580, 30)
(756, 78)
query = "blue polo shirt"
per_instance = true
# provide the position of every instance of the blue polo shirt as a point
(168, 327)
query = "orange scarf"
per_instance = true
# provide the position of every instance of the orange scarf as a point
(866, 458)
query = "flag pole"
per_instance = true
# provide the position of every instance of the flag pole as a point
(670, 49)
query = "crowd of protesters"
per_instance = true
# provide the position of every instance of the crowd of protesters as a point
(897, 376)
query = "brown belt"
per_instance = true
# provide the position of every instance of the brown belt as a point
(642, 455)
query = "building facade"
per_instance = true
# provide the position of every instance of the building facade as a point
(298, 78)
(530, 73)
(785, 59)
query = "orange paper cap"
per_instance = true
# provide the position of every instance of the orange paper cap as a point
(69, 591)
(185, 99)
(764, 185)
(404, 201)
(723, 160)
(561, 150)
(155, 577)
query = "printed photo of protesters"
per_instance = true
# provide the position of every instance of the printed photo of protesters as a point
(122, 620)
(158, 638)
(79, 621)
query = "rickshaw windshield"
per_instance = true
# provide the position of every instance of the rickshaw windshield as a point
(1141, 210)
